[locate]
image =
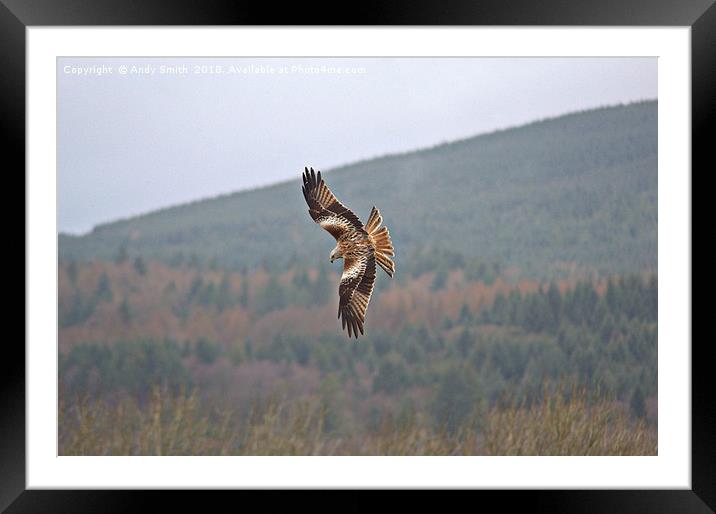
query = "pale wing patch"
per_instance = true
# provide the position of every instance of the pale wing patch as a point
(334, 225)
(353, 269)
(323, 205)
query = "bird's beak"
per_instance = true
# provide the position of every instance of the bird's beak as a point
(331, 260)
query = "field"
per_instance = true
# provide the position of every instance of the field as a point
(567, 424)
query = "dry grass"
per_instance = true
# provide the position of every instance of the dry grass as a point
(566, 424)
(560, 424)
(166, 425)
(278, 428)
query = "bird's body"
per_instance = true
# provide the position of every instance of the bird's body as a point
(360, 247)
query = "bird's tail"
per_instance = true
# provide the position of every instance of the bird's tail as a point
(380, 237)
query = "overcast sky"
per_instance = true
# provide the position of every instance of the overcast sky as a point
(134, 142)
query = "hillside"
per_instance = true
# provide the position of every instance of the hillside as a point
(578, 191)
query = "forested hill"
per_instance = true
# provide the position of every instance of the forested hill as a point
(577, 190)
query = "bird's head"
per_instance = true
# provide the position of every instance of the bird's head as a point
(335, 254)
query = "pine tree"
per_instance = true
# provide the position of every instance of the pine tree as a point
(103, 291)
(272, 298)
(195, 261)
(223, 296)
(122, 254)
(322, 287)
(465, 315)
(457, 398)
(139, 266)
(195, 289)
(554, 299)
(499, 310)
(244, 291)
(72, 271)
(125, 313)
(176, 260)
(464, 343)
(440, 279)
(300, 279)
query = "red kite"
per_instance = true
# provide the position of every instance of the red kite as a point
(359, 246)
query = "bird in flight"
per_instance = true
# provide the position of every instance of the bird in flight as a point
(360, 247)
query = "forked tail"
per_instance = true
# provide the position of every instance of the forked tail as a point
(380, 237)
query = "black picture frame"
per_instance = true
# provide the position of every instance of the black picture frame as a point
(17, 15)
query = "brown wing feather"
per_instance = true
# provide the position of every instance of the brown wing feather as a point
(324, 207)
(354, 291)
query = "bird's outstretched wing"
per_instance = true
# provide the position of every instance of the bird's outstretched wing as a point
(324, 207)
(354, 291)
